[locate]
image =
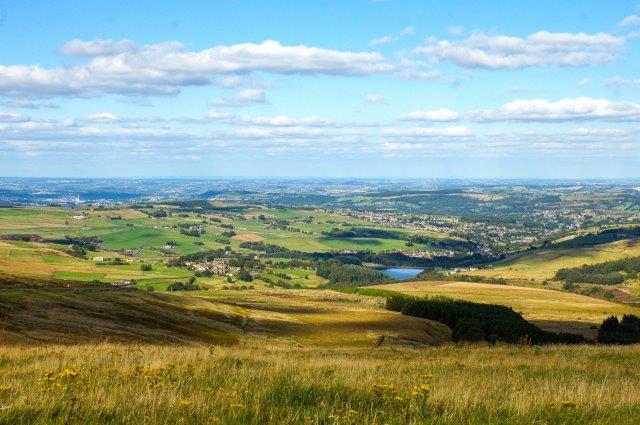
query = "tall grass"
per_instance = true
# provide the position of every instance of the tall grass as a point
(261, 383)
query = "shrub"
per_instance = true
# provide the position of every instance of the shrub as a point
(244, 275)
(145, 267)
(77, 251)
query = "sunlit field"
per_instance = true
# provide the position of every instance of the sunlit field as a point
(551, 310)
(258, 383)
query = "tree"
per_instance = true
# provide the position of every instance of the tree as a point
(244, 275)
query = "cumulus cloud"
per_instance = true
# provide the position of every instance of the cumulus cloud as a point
(435, 115)
(375, 98)
(629, 20)
(580, 108)
(167, 67)
(541, 48)
(569, 109)
(242, 98)
(102, 117)
(99, 47)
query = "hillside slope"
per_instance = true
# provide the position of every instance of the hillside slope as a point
(551, 310)
(81, 314)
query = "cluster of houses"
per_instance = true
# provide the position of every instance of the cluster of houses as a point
(217, 267)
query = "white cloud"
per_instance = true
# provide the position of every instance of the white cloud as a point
(268, 133)
(583, 132)
(629, 20)
(167, 67)
(618, 82)
(268, 121)
(28, 104)
(568, 109)
(583, 82)
(419, 132)
(407, 31)
(542, 48)
(101, 117)
(382, 41)
(375, 98)
(11, 117)
(435, 115)
(388, 39)
(580, 108)
(98, 47)
(411, 74)
(243, 97)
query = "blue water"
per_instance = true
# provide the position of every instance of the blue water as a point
(401, 273)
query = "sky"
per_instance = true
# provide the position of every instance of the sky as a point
(362, 88)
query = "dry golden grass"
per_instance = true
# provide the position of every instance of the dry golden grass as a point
(542, 265)
(262, 383)
(551, 310)
(302, 317)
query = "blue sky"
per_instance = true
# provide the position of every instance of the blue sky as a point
(320, 89)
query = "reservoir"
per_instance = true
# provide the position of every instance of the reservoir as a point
(401, 273)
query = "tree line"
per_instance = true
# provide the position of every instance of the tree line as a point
(474, 322)
(606, 273)
(351, 275)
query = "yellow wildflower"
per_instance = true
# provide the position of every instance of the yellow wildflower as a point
(68, 373)
(185, 403)
(421, 391)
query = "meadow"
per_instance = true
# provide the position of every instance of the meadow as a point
(542, 265)
(265, 383)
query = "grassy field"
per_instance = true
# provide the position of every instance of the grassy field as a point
(264, 383)
(542, 265)
(134, 229)
(551, 310)
(298, 317)
(44, 261)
